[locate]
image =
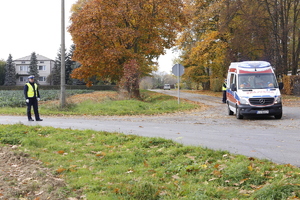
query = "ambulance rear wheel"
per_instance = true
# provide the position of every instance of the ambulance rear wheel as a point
(230, 112)
(238, 114)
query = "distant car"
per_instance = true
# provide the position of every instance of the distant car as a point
(167, 87)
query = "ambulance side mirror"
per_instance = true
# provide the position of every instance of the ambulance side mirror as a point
(280, 85)
(233, 87)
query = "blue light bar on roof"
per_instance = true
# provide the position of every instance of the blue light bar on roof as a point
(254, 64)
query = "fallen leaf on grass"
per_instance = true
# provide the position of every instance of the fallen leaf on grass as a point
(38, 193)
(60, 170)
(175, 177)
(216, 165)
(257, 187)
(61, 152)
(117, 190)
(217, 173)
(146, 164)
(243, 180)
(250, 168)
(129, 171)
(101, 154)
(190, 157)
(246, 192)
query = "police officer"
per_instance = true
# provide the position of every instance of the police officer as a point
(32, 97)
(224, 88)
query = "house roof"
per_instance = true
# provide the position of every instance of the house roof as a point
(38, 57)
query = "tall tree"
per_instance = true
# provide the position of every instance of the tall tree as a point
(224, 31)
(2, 71)
(203, 43)
(295, 37)
(110, 34)
(10, 72)
(252, 30)
(70, 64)
(247, 24)
(33, 67)
(285, 20)
(56, 72)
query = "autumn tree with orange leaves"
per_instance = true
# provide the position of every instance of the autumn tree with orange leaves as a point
(118, 38)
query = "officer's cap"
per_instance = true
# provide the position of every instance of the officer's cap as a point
(30, 77)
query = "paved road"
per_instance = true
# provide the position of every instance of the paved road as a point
(276, 140)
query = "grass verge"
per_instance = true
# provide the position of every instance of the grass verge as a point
(107, 103)
(116, 166)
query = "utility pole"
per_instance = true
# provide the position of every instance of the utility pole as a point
(62, 67)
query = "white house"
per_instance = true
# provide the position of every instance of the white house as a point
(45, 66)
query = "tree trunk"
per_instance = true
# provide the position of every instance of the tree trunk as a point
(136, 93)
(206, 85)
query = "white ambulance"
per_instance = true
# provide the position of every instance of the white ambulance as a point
(252, 89)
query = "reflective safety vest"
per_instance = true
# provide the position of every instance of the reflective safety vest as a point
(224, 87)
(31, 91)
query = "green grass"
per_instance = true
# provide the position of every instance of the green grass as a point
(116, 166)
(152, 103)
(130, 107)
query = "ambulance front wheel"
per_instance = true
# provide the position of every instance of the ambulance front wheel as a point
(278, 116)
(230, 112)
(238, 114)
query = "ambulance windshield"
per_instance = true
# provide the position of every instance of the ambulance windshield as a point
(257, 81)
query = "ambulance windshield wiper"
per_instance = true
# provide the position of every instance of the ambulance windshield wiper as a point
(247, 90)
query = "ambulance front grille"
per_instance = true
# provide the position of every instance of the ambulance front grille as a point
(261, 101)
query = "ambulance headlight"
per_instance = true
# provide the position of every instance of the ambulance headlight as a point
(277, 99)
(244, 101)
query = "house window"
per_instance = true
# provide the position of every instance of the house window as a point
(24, 68)
(22, 79)
(42, 68)
(41, 61)
(23, 62)
(42, 78)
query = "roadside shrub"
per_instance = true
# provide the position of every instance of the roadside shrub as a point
(291, 85)
(216, 84)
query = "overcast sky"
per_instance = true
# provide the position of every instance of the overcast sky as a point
(35, 26)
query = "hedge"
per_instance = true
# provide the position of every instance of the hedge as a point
(68, 87)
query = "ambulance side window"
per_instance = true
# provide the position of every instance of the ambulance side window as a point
(232, 82)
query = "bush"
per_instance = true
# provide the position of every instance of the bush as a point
(291, 85)
(216, 84)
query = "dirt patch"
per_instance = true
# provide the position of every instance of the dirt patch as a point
(22, 177)
(291, 101)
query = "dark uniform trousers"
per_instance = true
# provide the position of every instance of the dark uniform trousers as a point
(34, 103)
(224, 93)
